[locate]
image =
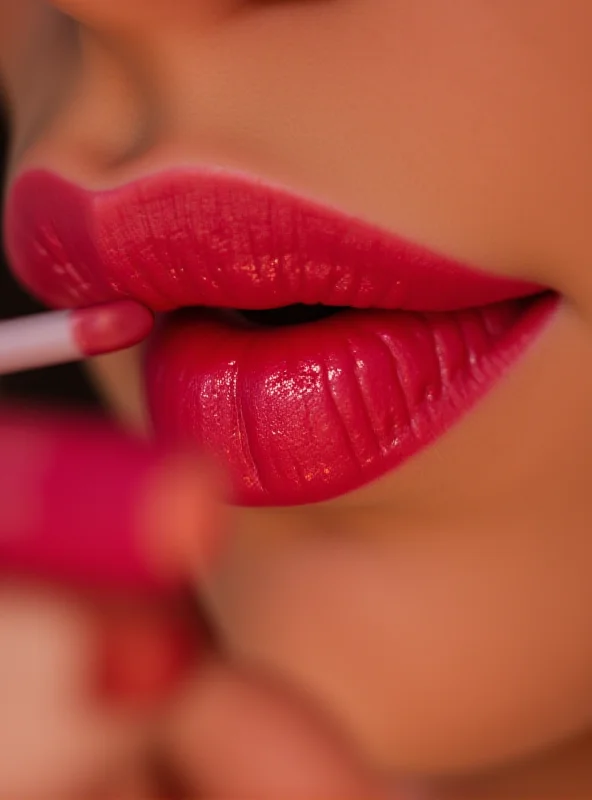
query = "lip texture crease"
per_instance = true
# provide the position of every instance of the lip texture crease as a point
(300, 413)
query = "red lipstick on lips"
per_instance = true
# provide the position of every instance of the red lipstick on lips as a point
(298, 412)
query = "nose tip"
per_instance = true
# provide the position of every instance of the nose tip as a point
(138, 62)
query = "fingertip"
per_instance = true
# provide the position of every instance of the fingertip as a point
(181, 516)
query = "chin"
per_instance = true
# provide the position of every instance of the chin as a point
(423, 675)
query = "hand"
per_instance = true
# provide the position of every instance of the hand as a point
(76, 716)
(100, 665)
(96, 532)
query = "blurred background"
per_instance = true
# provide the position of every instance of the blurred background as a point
(58, 384)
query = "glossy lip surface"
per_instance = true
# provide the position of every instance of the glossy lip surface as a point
(299, 414)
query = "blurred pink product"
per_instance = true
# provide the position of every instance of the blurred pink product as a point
(83, 505)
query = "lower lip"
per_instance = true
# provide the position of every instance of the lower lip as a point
(307, 413)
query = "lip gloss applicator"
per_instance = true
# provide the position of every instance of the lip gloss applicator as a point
(57, 337)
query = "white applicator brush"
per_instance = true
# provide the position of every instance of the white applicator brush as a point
(58, 337)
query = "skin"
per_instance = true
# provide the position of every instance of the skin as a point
(441, 616)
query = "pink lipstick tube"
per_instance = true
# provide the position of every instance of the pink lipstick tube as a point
(83, 505)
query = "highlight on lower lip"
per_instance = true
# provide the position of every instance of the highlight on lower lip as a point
(308, 413)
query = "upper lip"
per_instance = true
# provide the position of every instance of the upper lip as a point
(207, 238)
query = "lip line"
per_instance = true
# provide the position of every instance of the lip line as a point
(254, 204)
(326, 408)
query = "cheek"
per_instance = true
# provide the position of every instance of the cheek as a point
(444, 651)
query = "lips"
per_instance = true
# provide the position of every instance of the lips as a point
(299, 413)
